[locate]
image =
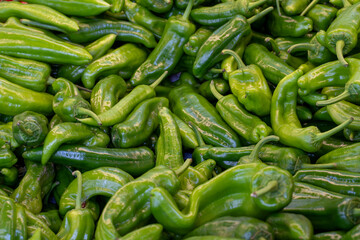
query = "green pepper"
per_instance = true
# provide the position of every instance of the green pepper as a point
(249, 85)
(168, 51)
(150, 232)
(188, 137)
(303, 113)
(103, 181)
(107, 92)
(333, 235)
(225, 37)
(7, 139)
(236, 227)
(13, 223)
(331, 144)
(351, 135)
(290, 226)
(51, 218)
(135, 161)
(335, 91)
(273, 68)
(221, 13)
(293, 7)
(84, 8)
(78, 223)
(341, 36)
(9, 176)
(196, 41)
(125, 57)
(352, 234)
(322, 16)
(133, 199)
(24, 72)
(30, 128)
(158, 6)
(221, 86)
(192, 107)
(37, 46)
(285, 122)
(286, 26)
(139, 125)
(248, 126)
(64, 177)
(145, 18)
(284, 43)
(7, 158)
(34, 186)
(39, 13)
(97, 49)
(343, 110)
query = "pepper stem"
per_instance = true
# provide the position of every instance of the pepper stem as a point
(318, 165)
(322, 136)
(278, 7)
(199, 139)
(159, 80)
(81, 110)
(339, 52)
(183, 167)
(188, 10)
(260, 15)
(274, 45)
(238, 59)
(77, 173)
(336, 99)
(214, 91)
(272, 185)
(301, 47)
(50, 80)
(27, 131)
(255, 152)
(83, 88)
(356, 212)
(309, 7)
(216, 70)
(253, 5)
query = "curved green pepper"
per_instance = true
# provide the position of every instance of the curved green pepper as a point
(30, 128)
(343, 110)
(7, 158)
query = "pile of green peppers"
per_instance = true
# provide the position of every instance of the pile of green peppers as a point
(180, 119)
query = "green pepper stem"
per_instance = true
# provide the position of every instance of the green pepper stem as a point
(322, 136)
(272, 185)
(199, 139)
(214, 91)
(81, 110)
(318, 165)
(159, 80)
(77, 173)
(274, 45)
(83, 88)
(336, 99)
(50, 80)
(300, 47)
(253, 5)
(339, 52)
(27, 131)
(255, 152)
(260, 15)
(278, 7)
(188, 10)
(238, 59)
(356, 212)
(309, 7)
(183, 167)
(216, 70)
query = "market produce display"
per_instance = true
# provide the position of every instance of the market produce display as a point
(180, 119)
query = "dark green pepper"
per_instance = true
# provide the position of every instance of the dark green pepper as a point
(51, 218)
(293, 7)
(7, 139)
(322, 16)
(221, 86)
(188, 137)
(196, 41)
(9, 176)
(7, 158)
(333, 235)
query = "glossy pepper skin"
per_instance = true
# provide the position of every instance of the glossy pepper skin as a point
(221, 13)
(115, 223)
(37, 46)
(34, 186)
(342, 110)
(24, 72)
(39, 13)
(120, 110)
(188, 136)
(104, 181)
(293, 7)
(135, 161)
(196, 40)
(93, 29)
(248, 126)
(30, 128)
(7, 158)
(168, 51)
(78, 223)
(15, 99)
(333, 235)
(140, 123)
(9, 176)
(285, 26)
(107, 92)
(7, 139)
(273, 68)
(158, 6)
(192, 107)
(124, 57)
(221, 85)
(81, 8)
(169, 145)
(64, 177)
(235, 227)
(51, 218)
(249, 85)
(97, 49)
(285, 122)
(331, 180)
(322, 16)
(290, 226)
